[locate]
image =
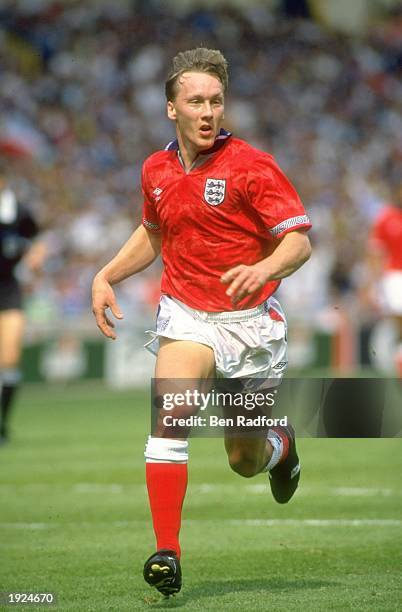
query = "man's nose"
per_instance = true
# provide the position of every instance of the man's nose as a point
(207, 109)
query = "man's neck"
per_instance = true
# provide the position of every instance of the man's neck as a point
(187, 154)
(198, 161)
(189, 158)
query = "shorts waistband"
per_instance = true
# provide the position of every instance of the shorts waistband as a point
(230, 317)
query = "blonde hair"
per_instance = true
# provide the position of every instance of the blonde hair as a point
(201, 59)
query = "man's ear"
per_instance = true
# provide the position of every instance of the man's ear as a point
(171, 111)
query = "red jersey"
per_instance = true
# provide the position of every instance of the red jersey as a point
(230, 209)
(387, 232)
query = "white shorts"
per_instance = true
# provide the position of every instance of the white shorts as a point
(391, 286)
(246, 343)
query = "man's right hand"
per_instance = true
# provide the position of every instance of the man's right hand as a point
(103, 297)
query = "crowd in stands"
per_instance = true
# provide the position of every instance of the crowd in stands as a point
(82, 104)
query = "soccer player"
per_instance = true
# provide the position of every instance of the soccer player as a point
(17, 230)
(386, 261)
(229, 226)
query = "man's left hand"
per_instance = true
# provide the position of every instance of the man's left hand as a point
(243, 280)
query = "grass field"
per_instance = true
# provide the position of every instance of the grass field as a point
(74, 518)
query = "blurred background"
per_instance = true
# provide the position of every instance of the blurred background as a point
(316, 83)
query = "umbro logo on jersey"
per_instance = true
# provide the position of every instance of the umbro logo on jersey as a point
(280, 365)
(157, 193)
(214, 192)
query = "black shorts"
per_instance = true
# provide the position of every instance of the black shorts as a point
(10, 294)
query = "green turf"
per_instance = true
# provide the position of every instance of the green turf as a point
(74, 518)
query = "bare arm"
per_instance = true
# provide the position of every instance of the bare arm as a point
(35, 256)
(140, 250)
(291, 253)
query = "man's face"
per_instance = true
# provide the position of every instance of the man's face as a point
(197, 110)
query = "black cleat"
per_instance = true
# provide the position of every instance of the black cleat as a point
(162, 570)
(284, 477)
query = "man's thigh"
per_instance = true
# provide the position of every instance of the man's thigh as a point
(182, 367)
(184, 359)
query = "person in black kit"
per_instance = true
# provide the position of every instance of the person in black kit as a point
(18, 228)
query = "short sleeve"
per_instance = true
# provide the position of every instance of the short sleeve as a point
(150, 218)
(274, 198)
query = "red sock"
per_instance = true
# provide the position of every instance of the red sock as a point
(167, 484)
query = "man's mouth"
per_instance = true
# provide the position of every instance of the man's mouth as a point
(206, 130)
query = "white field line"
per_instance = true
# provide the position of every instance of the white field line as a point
(360, 522)
(198, 489)
(362, 491)
(318, 522)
